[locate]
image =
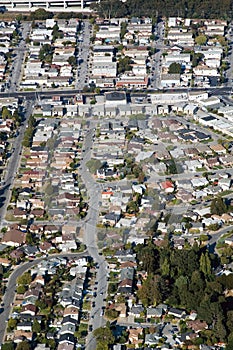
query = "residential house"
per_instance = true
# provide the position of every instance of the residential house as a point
(134, 336)
(14, 238)
(154, 312)
(178, 313)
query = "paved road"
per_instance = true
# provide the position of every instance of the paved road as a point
(17, 65)
(214, 91)
(229, 72)
(83, 56)
(89, 237)
(156, 60)
(13, 164)
(215, 236)
(189, 175)
(11, 287)
(90, 240)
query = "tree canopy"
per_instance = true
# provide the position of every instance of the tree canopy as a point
(124, 64)
(185, 278)
(46, 53)
(174, 68)
(41, 14)
(6, 113)
(104, 337)
(218, 206)
(201, 39)
(155, 8)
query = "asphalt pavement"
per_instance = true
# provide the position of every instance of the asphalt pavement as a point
(90, 239)
(13, 164)
(17, 64)
(11, 287)
(82, 78)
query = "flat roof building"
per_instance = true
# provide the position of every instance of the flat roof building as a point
(115, 98)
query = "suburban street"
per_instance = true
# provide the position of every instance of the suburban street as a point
(157, 57)
(89, 227)
(90, 239)
(13, 164)
(215, 236)
(17, 66)
(82, 60)
(229, 72)
(11, 286)
(94, 188)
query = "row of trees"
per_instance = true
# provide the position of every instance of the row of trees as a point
(7, 114)
(29, 132)
(155, 8)
(185, 278)
(46, 53)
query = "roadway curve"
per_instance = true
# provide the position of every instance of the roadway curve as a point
(11, 286)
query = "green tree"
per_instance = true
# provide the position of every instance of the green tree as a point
(8, 346)
(229, 322)
(24, 345)
(222, 40)
(132, 207)
(29, 238)
(21, 289)
(29, 132)
(212, 227)
(205, 264)
(204, 310)
(112, 288)
(36, 327)
(72, 61)
(51, 343)
(125, 64)
(201, 39)
(165, 267)
(16, 117)
(12, 323)
(226, 281)
(104, 337)
(197, 284)
(27, 40)
(229, 345)
(181, 282)
(218, 206)
(220, 329)
(41, 14)
(57, 33)
(25, 279)
(174, 68)
(196, 58)
(6, 113)
(45, 52)
(148, 257)
(150, 292)
(110, 8)
(123, 29)
(111, 314)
